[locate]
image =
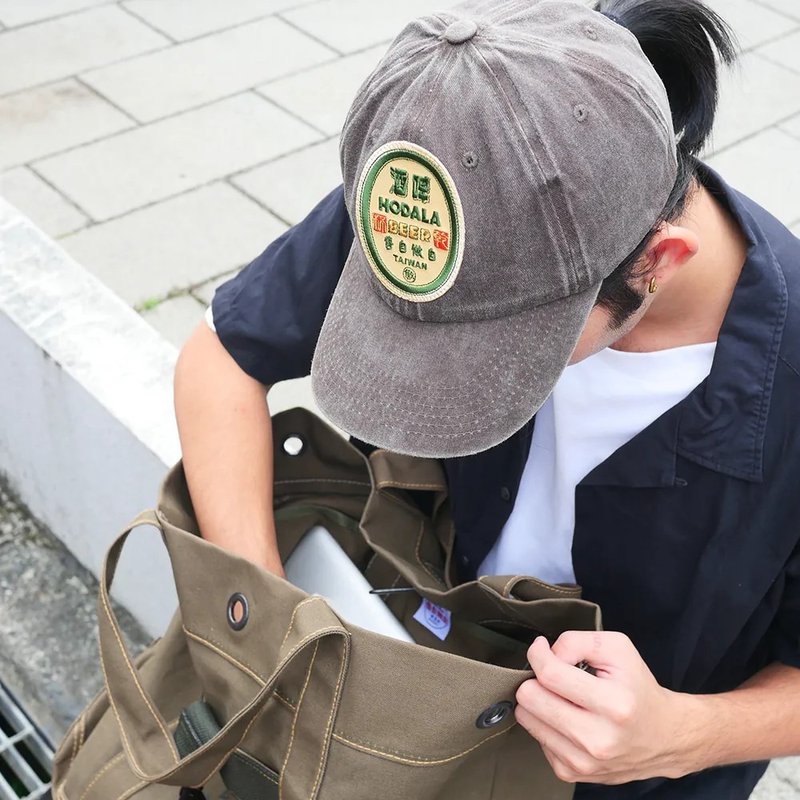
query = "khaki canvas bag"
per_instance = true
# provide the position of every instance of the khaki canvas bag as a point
(259, 691)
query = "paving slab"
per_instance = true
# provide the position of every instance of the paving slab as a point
(324, 94)
(61, 47)
(48, 119)
(205, 292)
(792, 126)
(165, 158)
(206, 69)
(765, 168)
(290, 394)
(21, 12)
(51, 211)
(176, 243)
(754, 95)
(176, 318)
(753, 24)
(789, 7)
(291, 186)
(206, 16)
(352, 25)
(780, 782)
(785, 51)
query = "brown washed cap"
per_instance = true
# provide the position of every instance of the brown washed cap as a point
(500, 162)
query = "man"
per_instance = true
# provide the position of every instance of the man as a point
(524, 193)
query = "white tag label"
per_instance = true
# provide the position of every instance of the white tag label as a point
(435, 618)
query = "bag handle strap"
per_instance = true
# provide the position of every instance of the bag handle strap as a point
(315, 635)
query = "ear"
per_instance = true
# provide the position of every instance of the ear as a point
(670, 249)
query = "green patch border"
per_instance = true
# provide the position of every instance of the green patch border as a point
(366, 226)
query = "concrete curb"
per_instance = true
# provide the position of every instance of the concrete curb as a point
(88, 423)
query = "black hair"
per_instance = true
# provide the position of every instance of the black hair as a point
(684, 40)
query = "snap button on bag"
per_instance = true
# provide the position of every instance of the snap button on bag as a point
(494, 715)
(293, 445)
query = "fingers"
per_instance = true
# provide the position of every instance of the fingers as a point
(543, 704)
(602, 649)
(559, 676)
(568, 761)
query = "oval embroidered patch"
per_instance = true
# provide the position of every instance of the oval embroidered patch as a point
(410, 221)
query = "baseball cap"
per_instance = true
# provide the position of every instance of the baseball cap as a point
(501, 160)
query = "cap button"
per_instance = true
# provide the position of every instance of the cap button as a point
(460, 31)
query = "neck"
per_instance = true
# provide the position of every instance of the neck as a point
(691, 307)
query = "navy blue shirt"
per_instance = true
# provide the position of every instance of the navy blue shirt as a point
(687, 536)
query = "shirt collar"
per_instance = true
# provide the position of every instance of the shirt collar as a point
(721, 423)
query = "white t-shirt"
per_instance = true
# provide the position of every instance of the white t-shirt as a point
(597, 405)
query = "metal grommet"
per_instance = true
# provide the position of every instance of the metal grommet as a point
(293, 444)
(469, 159)
(494, 715)
(590, 32)
(238, 611)
(580, 112)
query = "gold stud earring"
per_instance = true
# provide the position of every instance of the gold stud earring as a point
(653, 287)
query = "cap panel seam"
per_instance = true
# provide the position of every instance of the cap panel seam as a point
(620, 77)
(555, 220)
(614, 77)
(373, 87)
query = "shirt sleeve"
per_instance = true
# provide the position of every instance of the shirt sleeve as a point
(269, 315)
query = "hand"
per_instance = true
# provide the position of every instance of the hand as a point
(615, 726)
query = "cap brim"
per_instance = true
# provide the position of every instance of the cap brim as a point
(437, 389)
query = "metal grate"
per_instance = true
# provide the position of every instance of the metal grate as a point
(26, 759)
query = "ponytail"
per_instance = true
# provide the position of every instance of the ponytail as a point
(684, 40)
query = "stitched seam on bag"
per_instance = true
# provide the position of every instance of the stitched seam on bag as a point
(228, 754)
(549, 586)
(75, 742)
(217, 648)
(414, 760)
(102, 772)
(294, 613)
(505, 608)
(133, 790)
(285, 700)
(391, 754)
(125, 743)
(427, 567)
(329, 726)
(294, 721)
(322, 480)
(86, 712)
(319, 633)
(82, 731)
(404, 485)
(156, 717)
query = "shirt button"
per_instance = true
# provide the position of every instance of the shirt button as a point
(505, 493)
(465, 561)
